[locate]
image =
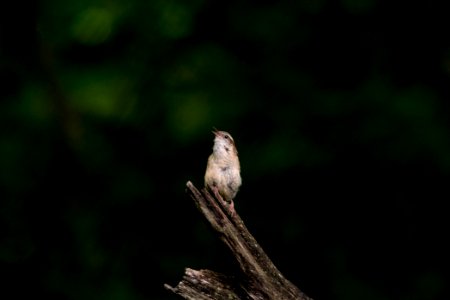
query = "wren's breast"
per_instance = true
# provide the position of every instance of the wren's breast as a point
(232, 177)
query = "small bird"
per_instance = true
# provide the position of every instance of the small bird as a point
(223, 171)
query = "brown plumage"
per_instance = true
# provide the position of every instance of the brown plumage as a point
(223, 169)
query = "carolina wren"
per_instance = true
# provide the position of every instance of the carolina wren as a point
(223, 170)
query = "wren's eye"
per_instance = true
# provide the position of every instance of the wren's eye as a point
(227, 137)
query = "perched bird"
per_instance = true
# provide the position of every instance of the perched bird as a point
(223, 171)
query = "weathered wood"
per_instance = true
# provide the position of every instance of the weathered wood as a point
(205, 285)
(260, 279)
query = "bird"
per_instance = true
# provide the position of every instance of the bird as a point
(223, 170)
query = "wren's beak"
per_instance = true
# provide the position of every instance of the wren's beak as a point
(215, 131)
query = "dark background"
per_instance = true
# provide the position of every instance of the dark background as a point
(340, 114)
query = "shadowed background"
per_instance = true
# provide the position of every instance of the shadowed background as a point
(339, 111)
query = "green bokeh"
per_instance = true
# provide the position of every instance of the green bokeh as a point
(339, 111)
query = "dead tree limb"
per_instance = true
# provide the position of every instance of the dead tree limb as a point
(260, 278)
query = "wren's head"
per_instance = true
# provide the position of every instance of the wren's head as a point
(224, 143)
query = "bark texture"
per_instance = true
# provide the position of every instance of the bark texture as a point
(260, 279)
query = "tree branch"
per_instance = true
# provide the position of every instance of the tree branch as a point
(261, 279)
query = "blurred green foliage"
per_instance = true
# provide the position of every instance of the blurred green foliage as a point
(340, 114)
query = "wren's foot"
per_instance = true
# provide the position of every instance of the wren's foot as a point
(225, 204)
(231, 208)
(216, 193)
(228, 205)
